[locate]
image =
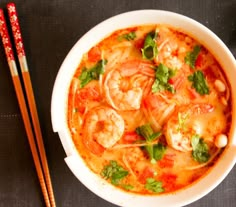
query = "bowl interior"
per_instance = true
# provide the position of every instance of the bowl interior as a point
(59, 106)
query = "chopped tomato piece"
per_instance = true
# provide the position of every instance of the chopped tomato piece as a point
(199, 61)
(171, 81)
(148, 172)
(94, 54)
(83, 96)
(169, 181)
(167, 161)
(139, 43)
(130, 137)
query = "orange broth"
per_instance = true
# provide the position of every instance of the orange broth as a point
(147, 107)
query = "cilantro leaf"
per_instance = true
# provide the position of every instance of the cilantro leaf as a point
(118, 175)
(147, 132)
(155, 151)
(154, 185)
(191, 57)
(127, 187)
(158, 152)
(93, 73)
(200, 149)
(149, 50)
(128, 36)
(114, 172)
(199, 82)
(162, 76)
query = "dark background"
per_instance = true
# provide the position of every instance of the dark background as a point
(50, 29)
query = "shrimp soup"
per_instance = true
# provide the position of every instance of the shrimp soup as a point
(149, 109)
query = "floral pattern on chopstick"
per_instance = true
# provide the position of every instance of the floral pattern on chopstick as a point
(16, 29)
(5, 37)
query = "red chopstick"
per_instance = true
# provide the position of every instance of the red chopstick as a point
(12, 13)
(40, 159)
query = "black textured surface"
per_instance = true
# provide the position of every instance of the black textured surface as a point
(50, 29)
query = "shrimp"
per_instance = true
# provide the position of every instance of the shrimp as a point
(126, 85)
(187, 121)
(103, 127)
(172, 48)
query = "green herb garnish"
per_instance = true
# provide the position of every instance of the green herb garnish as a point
(147, 132)
(162, 76)
(114, 172)
(158, 151)
(191, 57)
(200, 149)
(128, 36)
(93, 73)
(149, 50)
(154, 185)
(199, 82)
(127, 187)
(155, 151)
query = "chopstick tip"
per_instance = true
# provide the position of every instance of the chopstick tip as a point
(11, 4)
(1, 12)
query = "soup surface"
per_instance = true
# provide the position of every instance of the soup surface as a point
(149, 109)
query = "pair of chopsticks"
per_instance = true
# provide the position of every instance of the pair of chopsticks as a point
(29, 116)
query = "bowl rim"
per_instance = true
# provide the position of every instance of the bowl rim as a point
(59, 119)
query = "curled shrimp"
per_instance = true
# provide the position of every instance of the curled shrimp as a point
(187, 121)
(103, 127)
(168, 47)
(125, 85)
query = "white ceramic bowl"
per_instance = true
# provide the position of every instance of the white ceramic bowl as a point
(59, 107)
